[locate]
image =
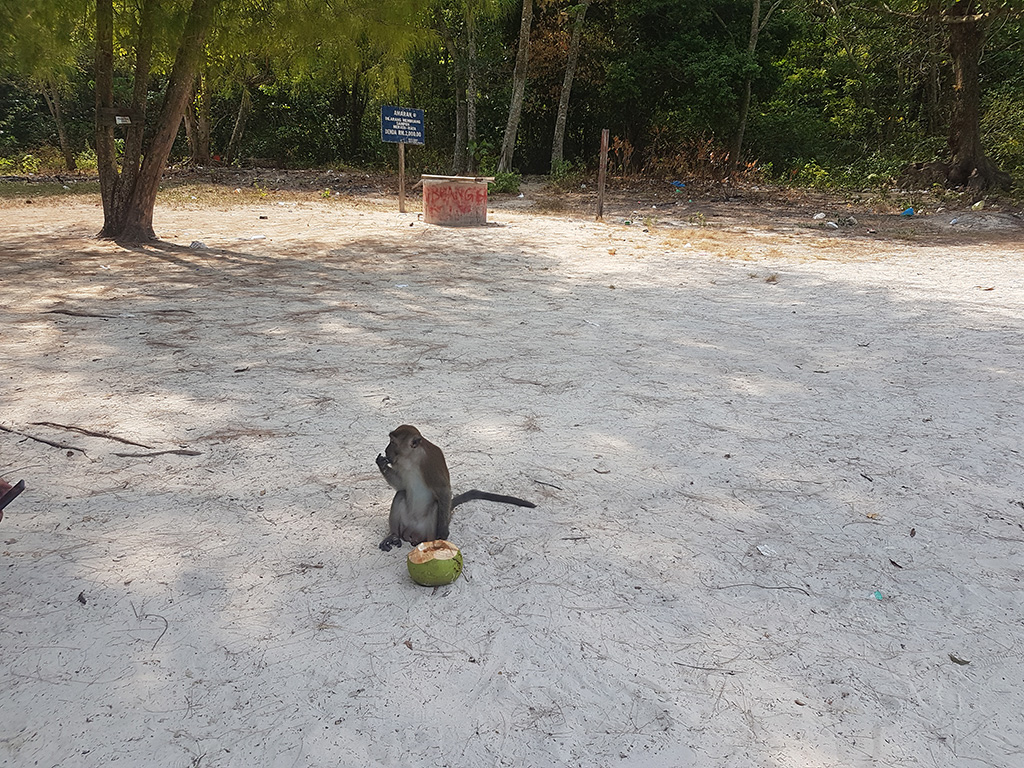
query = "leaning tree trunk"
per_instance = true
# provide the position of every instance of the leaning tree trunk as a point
(130, 196)
(51, 94)
(744, 110)
(515, 109)
(969, 165)
(756, 25)
(244, 106)
(557, 145)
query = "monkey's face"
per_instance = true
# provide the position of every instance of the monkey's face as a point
(402, 444)
(406, 445)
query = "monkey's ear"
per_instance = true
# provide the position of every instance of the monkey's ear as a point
(416, 442)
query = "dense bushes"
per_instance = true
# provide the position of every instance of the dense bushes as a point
(838, 98)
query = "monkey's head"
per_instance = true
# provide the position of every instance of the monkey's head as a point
(404, 440)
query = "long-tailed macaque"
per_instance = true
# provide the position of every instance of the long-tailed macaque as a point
(423, 503)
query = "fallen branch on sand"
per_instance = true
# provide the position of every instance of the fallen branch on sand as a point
(176, 451)
(83, 431)
(62, 446)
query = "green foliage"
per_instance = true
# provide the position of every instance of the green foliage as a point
(687, 74)
(877, 170)
(45, 160)
(19, 166)
(813, 175)
(505, 182)
(567, 174)
(23, 119)
(304, 125)
(1002, 127)
(86, 160)
(843, 94)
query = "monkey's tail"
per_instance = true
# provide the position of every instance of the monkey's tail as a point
(485, 496)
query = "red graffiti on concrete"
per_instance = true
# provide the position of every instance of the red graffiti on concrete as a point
(455, 203)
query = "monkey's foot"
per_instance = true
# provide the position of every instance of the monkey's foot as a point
(391, 541)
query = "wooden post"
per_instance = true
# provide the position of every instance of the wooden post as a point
(602, 166)
(401, 177)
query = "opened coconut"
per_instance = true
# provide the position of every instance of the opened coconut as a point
(435, 563)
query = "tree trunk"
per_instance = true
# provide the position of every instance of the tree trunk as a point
(969, 164)
(933, 68)
(570, 71)
(135, 135)
(472, 75)
(360, 98)
(459, 162)
(515, 109)
(756, 25)
(460, 156)
(744, 110)
(51, 94)
(192, 130)
(129, 197)
(741, 127)
(106, 152)
(236, 134)
(197, 122)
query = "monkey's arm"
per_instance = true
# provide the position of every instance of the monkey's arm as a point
(388, 470)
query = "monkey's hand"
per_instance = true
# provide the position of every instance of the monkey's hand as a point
(382, 463)
(391, 541)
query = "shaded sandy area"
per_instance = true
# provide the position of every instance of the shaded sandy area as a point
(778, 473)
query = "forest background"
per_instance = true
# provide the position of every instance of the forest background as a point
(809, 92)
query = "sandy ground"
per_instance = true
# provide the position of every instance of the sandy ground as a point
(778, 473)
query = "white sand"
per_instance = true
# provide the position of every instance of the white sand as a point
(736, 451)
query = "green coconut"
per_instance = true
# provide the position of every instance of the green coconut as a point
(435, 563)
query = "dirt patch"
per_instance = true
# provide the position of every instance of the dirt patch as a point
(777, 466)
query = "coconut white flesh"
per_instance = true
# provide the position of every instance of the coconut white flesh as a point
(433, 550)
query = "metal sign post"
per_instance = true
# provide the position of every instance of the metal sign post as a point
(401, 126)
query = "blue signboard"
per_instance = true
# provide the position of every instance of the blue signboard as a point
(401, 125)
